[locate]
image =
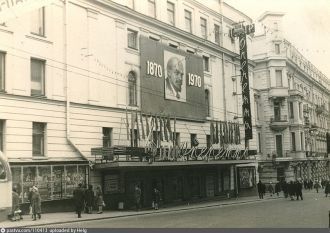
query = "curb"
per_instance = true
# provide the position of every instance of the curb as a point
(149, 212)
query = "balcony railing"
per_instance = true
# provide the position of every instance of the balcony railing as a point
(283, 118)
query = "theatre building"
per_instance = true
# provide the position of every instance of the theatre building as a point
(292, 108)
(124, 93)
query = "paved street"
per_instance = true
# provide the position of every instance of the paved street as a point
(312, 212)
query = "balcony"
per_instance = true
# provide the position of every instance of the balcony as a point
(279, 123)
(295, 92)
(278, 92)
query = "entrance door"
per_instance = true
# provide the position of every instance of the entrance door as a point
(279, 147)
(210, 186)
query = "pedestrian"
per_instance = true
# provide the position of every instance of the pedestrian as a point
(89, 197)
(299, 190)
(291, 190)
(79, 198)
(36, 203)
(16, 212)
(137, 197)
(277, 189)
(271, 189)
(30, 201)
(327, 188)
(99, 199)
(285, 188)
(317, 185)
(260, 189)
(156, 198)
(310, 184)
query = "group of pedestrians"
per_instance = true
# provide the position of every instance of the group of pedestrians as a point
(86, 199)
(292, 189)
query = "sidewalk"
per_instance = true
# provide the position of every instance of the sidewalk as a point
(67, 217)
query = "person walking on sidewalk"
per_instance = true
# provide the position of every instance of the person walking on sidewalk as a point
(89, 196)
(270, 189)
(291, 190)
(285, 188)
(35, 203)
(327, 188)
(277, 189)
(299, 190)
(137, 197)
(79, 198)
(99, 199)
(317, 185)
(156, 198)
(260, 187)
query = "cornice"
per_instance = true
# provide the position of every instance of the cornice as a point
(126, 12)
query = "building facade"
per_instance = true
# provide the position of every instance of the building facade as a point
(124, 93)
(292, 108)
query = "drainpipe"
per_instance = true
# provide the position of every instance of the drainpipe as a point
(67, 86)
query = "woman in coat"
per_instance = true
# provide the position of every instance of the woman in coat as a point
(35, 203)
(79, 199)
(99, 199)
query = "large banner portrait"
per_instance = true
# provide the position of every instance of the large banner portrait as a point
(175, 82)
(172, 82)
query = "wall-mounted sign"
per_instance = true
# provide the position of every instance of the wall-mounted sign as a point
(245, 87)
(172, 81)
(111, 183)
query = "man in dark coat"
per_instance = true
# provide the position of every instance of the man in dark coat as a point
(79, 198)
(260, 189)
(291, 190)
(299, 190)
(89, 197)
(327, 188)
(285, 188)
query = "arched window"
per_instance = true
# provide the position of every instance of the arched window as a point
(132, 88)
(207, 102)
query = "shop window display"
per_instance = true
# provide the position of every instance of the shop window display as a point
(53, 182)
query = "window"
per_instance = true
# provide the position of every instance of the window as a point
(188, 20)
(302, 140)
(278, 74)
(207, 102)
(217, 34)
(38, 22)
(38, 139)
(156, 137)
(170, 13)
(203, 28)
(132, 88)
(134, 138)
(206, 64)
(37, 77)
(293, 141)
(259, 142)
(277, 111)
(152, 8)
(107, 137)
(277, 48)
(193, 140)
(132, 39)
(1, 134)
(2, 71)
(291, 110)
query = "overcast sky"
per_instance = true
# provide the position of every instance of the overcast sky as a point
(306, 25)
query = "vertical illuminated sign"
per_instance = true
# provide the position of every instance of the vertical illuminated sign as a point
(245, 87)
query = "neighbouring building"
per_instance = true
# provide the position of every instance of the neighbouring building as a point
(292, 102)
(124, 93)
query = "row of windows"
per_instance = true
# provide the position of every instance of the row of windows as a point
(37, 75)
(132, 42)
(187, 20)
(39, 137)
